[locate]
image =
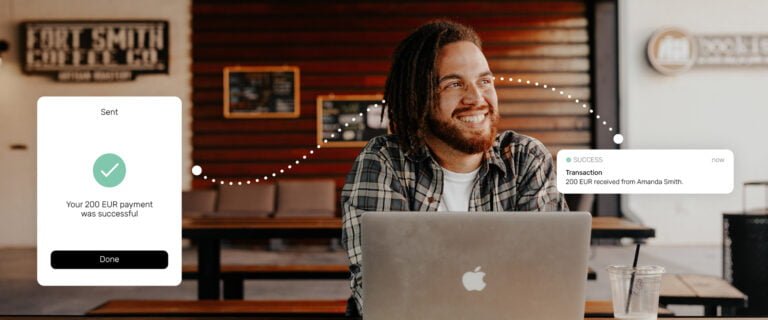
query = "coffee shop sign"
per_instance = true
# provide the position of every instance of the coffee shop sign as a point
(672, 50)
(90, 51)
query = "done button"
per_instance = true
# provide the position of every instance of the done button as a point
(109, 259)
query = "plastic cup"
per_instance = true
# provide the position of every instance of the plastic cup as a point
(644, 299)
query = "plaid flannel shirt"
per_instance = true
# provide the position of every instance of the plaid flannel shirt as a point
(516, 174)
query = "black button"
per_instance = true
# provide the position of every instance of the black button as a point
(109, 259)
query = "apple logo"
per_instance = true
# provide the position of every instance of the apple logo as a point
(473, 280)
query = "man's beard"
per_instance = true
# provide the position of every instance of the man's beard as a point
(461, 139)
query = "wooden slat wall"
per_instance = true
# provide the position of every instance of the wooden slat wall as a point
(345, 49)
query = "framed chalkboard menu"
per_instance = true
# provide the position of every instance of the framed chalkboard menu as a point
(349, 120)
(261, 92)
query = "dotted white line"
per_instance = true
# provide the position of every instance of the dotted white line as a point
(197, 170)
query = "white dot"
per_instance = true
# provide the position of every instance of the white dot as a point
(333, 135)
(346, 124)
(618, 138)
(230, 183)
(369, 109)
(577, 100)
(569, 96)
(502, 78)
(604, 123)
(339, 130)
(610, 129)
(528, 81)
(239, 183)
(591, 111)
(561, 92)
(213, 180)
(597, 116)
(205, 177)
(273, 174)
(536, 84)
(553, 89)
(519, 80)
(248, 182)
(289, 166)
(318, 146)
(383, 101)
(281, 171)
(222, 182)
(297, 161)
(545, 86)
(304, 157)
(265, 178)
(354, 119)
(325, 140)
(257, 180)
(311, 151)
(361, 114)
(196, 170)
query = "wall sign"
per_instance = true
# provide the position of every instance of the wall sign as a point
(672, 51)
(339, 119)
(95, 50)
(261, 92)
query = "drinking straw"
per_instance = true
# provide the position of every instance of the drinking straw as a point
(632, 279)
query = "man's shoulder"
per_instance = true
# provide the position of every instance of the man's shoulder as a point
(383, 147)
(513, 144)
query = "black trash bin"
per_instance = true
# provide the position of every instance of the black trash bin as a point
(745, 258)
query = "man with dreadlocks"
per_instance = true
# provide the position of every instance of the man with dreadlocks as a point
(444, 153)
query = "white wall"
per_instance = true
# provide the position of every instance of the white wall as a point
(705, 107)
(19, 93)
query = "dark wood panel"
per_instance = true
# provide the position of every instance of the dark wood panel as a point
(240, 52)
(515, 108)
(199, 183)
(256, 170)
(376, 81)
(518, 93)
(388, 8)
(544, 123)
(249, 125)
(381, 22)
(310, 126)
(380, 37)
(542, 108)
(234, 140)
(345, 49)
(273, 154)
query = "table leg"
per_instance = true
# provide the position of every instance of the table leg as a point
(710, 310)
(209, 268)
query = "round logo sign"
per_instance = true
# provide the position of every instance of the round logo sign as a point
(672, 51)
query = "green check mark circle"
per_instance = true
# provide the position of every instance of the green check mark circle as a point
(109, 170)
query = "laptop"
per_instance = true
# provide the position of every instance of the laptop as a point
(474, 265)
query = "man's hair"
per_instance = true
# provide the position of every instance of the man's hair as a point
(411, 92)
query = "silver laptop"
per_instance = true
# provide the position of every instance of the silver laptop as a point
(472, 265)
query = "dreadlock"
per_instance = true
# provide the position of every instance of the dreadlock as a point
(411, 91)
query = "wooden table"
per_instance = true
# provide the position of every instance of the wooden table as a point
(209, 231)
(615, 228)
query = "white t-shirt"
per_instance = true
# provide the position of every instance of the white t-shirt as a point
(456, 190)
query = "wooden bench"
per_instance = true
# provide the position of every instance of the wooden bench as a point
(708, 291)
(234, 276)
(318, 308)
